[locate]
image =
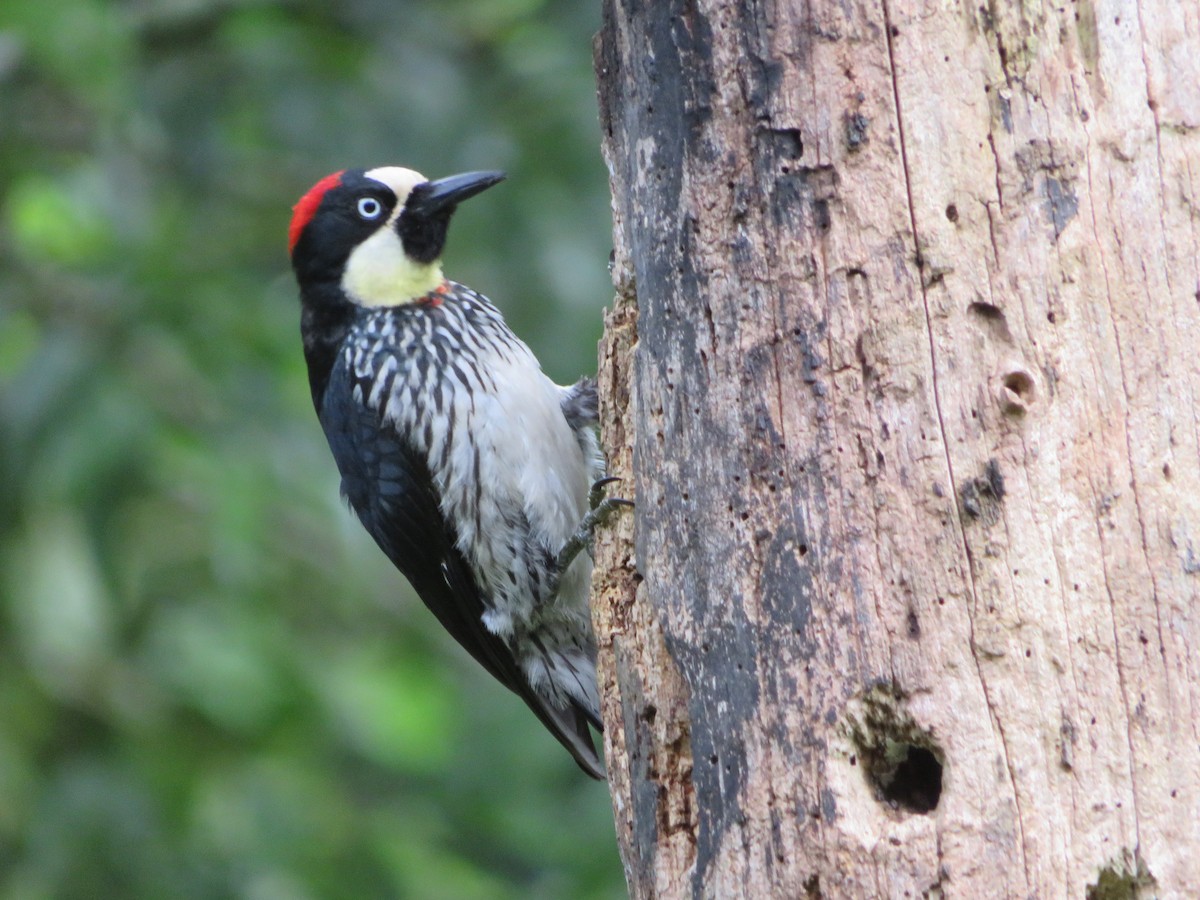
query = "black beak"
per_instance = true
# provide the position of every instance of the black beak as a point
(422, 225)
(443, 195)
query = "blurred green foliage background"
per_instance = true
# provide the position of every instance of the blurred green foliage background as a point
(211, 682)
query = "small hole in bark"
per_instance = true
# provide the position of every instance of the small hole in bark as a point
(1166, 470)
(952, 213)
(1019, 383)
(1051, 318)
(914, 625)
(985, 310)
(1016, 392)
(803, 549)
(901, 761)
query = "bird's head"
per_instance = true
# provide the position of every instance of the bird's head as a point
(378, 233)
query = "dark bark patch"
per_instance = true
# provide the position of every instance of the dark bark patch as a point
(786, 588)
(856, 131)
(668, 100)
(785, 143)
(723, 681)
(1061, 203)
(691, 46)
(643, 781)
(981, 497)
(719, 776)
(762, 74)
(794, 189)
(828, 805)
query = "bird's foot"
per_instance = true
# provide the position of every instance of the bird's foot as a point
(600, 512)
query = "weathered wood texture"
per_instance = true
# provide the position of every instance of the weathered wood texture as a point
(904, 376)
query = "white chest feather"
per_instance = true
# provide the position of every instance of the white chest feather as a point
(508, 469)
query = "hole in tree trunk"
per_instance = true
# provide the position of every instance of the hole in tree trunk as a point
(901, 761)
(915, 781)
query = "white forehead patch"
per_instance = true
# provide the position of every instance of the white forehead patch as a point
(400, 180)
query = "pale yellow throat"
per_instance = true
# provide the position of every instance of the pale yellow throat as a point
(379, 273)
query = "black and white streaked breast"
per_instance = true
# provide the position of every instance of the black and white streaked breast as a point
(507, 468)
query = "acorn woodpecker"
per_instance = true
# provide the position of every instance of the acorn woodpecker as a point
(467, 465)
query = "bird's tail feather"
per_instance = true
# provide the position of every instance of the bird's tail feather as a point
(570, 724)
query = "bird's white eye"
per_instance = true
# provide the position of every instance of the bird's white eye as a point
(369, 208)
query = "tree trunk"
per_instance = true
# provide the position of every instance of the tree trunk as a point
(902, 375)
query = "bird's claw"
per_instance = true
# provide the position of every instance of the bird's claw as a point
(601, 509)
(596, 495)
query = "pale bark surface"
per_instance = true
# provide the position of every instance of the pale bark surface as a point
(903, 376)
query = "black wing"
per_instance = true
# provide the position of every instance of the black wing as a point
(390, 488)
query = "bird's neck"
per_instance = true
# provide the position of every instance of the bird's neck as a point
(326, 316)
(381, 272)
